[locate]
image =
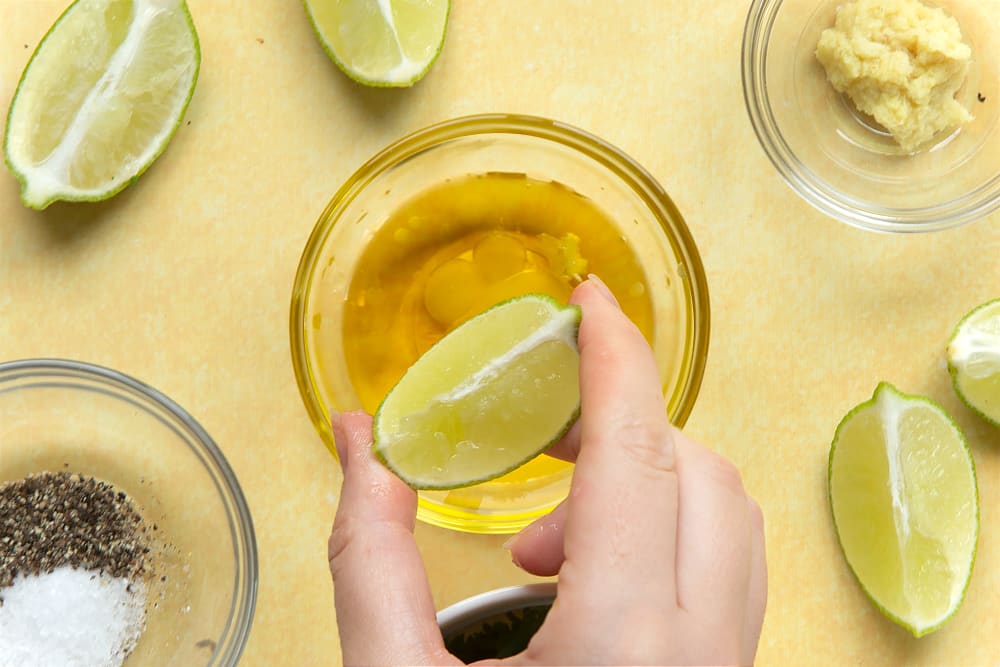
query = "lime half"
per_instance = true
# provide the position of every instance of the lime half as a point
(488, 397)
(381, 42)
(100, 98)
(905, 506)
(974, 360)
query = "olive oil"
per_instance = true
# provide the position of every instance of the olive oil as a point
(463, 246)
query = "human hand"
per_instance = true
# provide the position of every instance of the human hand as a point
(658, 545)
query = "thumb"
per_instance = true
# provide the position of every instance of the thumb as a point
(385, 613)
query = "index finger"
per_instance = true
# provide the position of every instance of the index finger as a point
(385, 613)
(624, 486)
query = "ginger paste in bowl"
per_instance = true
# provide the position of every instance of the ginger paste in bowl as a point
(901, 63)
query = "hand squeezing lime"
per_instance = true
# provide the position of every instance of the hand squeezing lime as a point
(100, 98)
(487, 398)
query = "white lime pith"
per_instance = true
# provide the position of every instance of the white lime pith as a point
(487, 398)
(100, 98)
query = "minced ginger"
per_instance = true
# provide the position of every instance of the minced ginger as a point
(901, 62)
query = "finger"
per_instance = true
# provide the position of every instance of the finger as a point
(757, 597)
(713, 540)
(538, 548)
(385, 613)
(568, 446)
(621, 527)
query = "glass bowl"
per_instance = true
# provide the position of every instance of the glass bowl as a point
(643, 220)
(58, 415)
(841, 161)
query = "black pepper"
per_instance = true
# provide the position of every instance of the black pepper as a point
(55, 519)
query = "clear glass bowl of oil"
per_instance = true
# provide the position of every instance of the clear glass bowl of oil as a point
(462, 215)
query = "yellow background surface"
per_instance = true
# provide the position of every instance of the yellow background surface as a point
(184, 281)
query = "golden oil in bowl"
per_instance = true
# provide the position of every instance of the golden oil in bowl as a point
(462, 215)
(462, 247)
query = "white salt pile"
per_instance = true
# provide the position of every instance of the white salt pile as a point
(70, 618)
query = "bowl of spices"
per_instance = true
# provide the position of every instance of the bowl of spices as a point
(124, 536)
(884, 114)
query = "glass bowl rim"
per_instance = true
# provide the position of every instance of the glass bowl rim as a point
(66, 372)
(841, 206)
(584, 146)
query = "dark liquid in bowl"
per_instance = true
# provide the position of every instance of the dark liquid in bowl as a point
(499, 636)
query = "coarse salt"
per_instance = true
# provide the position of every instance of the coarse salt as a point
(70, 618)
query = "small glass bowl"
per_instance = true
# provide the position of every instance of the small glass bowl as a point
(58, 415)
(841, 161)
(546, 150)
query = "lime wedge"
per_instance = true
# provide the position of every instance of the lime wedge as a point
(381, 42)
(100, 98)
(905, 506)
(974, 360)
(488, 397)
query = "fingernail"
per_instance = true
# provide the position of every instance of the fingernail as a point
(603, 289)
(339, 438)
(508, 545)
